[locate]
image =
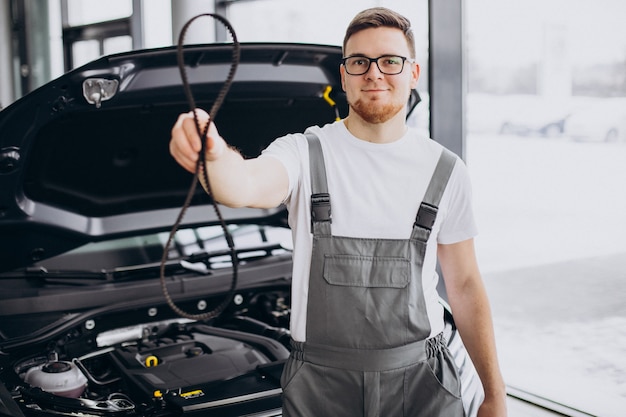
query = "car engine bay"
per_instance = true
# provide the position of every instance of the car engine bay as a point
(228, 367)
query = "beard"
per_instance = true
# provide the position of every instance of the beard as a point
(374, 113)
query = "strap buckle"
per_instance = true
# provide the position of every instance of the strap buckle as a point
(426, 216)
(320, 208)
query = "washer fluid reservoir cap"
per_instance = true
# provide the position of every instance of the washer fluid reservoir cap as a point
(56, 367)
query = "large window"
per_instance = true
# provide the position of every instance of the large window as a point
(91, 30)
(547, 152)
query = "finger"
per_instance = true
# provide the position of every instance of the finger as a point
(184, 143)
(186, 160)
(192, 141)
(214, 142)
(187, 136)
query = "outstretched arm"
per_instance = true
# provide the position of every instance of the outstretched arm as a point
(472, 315)
(235, 181)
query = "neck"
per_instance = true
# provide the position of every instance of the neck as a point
(385, 132)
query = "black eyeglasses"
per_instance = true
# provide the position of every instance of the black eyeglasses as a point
(387, 64)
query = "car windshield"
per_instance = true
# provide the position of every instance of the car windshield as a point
(147, 250)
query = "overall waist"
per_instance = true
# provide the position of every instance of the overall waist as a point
(368, 360)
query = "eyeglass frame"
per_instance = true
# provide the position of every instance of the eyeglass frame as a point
(369, 65)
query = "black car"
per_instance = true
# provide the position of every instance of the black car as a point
(89, 302)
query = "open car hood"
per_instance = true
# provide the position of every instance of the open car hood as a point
(85, 157)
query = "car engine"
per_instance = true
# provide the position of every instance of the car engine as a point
(230, 367)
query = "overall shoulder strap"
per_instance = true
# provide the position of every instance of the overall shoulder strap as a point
(320, 198)
(427, 212)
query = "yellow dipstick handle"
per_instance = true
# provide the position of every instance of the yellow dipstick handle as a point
(330, 101)
(151, 361)
(327, 96)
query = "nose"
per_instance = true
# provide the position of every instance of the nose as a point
(373, 71)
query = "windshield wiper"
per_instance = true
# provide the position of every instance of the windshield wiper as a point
(200, 262)
(73, 277)
(43, 272)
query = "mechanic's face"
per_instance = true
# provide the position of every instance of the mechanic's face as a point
(377, 97)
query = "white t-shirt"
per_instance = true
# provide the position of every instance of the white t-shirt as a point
(375, 192)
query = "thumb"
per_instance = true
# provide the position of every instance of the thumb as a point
(215, 144)
(213, 140)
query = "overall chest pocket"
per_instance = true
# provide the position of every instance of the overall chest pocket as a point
(367, 271)
(366, 300)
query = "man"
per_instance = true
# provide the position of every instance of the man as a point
(366, 321)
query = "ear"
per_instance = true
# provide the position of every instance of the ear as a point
(342, 71)
(415, 75)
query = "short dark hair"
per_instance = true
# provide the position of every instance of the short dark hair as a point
(381, 17)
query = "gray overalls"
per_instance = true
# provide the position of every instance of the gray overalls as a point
(366, 351)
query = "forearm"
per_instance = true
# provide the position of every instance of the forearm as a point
(228, 177)
(239, 182)
(472, 315)
(233, 180)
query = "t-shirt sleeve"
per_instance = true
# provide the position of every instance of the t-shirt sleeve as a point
(287, 150)
(458, 223)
